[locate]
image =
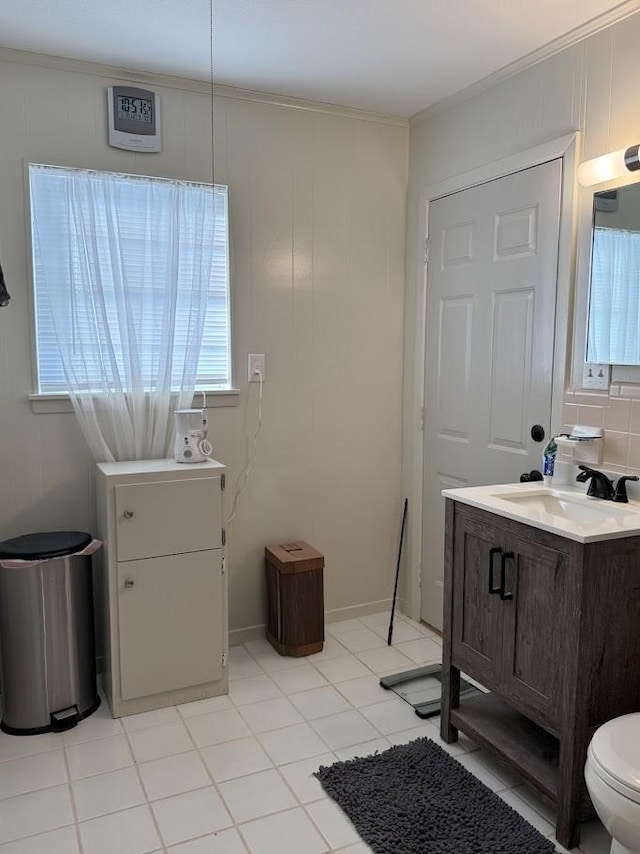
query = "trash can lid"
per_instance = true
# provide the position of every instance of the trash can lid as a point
(48, 544)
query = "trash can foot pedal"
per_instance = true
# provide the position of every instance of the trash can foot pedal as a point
(70, 717)
(65, 719)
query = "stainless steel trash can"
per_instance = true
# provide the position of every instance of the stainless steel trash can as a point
(47, 648)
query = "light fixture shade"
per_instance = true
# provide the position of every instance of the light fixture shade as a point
(609, 166)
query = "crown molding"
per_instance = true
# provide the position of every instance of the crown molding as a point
(602, 22)
(184, 84)
(312, 106)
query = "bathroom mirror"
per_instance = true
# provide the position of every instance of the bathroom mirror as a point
(613, 332)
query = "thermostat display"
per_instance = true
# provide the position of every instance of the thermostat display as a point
(134, 119)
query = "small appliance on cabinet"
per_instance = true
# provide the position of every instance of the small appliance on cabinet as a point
(163, 586)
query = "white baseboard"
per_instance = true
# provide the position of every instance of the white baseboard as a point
(249, 633)
(353, 611)
(402, 607)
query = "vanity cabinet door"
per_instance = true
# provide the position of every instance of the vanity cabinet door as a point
(535, 625)
(477, 615)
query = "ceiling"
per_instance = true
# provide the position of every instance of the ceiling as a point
(391, 56)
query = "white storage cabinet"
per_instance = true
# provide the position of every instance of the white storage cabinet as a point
(162, 585)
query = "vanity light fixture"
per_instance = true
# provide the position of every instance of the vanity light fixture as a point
(609, 166)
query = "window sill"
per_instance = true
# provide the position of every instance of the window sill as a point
(43, 404)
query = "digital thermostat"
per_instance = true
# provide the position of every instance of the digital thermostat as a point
(134, 118)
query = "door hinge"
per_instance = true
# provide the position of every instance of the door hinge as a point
(224, 659)
(223, 564)
(422, 418)
(224, 537)
(223, 481)
(420, 571)
(426, 250)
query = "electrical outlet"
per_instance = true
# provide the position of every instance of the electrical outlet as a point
(596, 376)
(256, 367)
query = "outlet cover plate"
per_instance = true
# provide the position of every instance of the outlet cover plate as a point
(257, 360)
(596, 376)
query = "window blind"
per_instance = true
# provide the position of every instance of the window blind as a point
(614, 298)
(149, 212)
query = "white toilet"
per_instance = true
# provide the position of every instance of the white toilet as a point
(612, 774)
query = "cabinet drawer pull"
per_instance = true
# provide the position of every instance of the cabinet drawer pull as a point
(128, 514)
(492, 553)
(503, 575)
(129, 582)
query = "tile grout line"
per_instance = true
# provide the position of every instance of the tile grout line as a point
(72, 798)
(207, 772)
(144, 790)
(256, 737)
(299, 802)
(4, 762)
(182, 719)
(304, 721)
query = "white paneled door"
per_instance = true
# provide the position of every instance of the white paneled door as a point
(491, 301)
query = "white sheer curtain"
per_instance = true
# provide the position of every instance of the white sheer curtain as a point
(614, 302)
(125, 264)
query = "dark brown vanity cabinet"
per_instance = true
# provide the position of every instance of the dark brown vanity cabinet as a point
(552, 628)
(508, 613)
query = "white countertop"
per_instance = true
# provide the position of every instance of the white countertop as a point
(565, 511)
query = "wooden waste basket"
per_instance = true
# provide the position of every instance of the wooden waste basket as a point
(295, 623)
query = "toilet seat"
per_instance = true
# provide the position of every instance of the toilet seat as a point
(614, 754)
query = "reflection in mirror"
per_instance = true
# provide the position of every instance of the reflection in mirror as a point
(614, 300)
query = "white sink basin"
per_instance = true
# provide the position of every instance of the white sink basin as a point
(566, 511)
(575, 509)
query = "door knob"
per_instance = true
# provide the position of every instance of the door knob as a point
(528, 476)
(128, 514)
(537, 432)
(129, 582)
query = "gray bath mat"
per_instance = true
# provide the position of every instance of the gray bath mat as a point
(416, 799)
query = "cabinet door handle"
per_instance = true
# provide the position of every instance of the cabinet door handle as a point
(503, 576)
(129, 582)
(128, 514)
(492, 553)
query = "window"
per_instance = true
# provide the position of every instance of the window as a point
(163, 228)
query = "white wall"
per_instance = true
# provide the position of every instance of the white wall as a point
(591, 87)
(317, 201)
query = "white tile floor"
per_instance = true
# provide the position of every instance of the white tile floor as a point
(233, 775)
